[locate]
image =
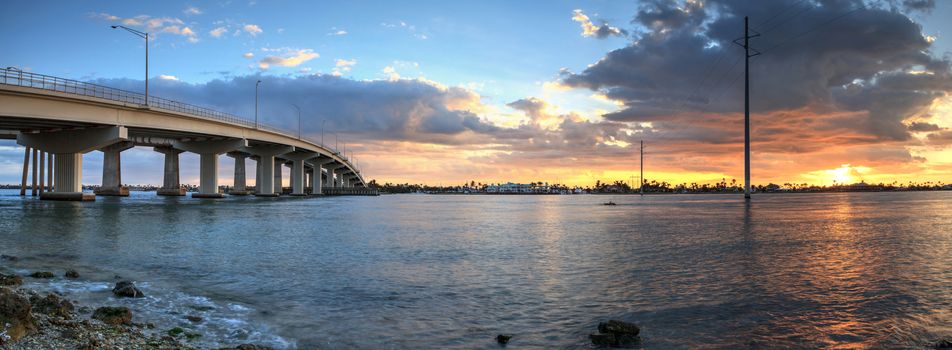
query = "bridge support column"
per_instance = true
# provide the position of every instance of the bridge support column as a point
(298, 164)
(208, 152)
(297, 178)
(264, 177)
(316, 180)
(208, 176)
(265, 181)
(170, 177)
(239, 187)
(112, 171)
(308, 178)
(68, 178)
(68, 147)
(278, 185)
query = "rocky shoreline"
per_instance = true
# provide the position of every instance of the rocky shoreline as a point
(33, 320)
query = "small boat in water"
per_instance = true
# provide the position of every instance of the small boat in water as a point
(609, 203)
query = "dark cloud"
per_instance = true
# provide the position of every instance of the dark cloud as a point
(402, 110)
(941, 138)
(831, 56)
(923, 127)
(919, 5)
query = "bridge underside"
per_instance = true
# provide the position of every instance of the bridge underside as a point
(59, 120)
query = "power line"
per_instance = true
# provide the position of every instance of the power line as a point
(775, 26)
(710, 69)
(811, 30)
(780, 12)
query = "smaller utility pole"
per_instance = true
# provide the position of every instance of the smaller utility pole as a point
(641, 178)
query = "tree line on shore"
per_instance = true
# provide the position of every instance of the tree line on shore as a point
(654, 186)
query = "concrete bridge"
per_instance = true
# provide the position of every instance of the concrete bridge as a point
(62, 119)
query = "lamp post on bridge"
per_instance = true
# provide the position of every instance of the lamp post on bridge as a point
(145, 36)
(322, 132)
(299, 119)
(256, 103)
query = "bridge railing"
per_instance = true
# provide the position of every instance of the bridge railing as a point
(16, 77)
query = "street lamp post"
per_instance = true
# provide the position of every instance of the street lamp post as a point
(322, 132)
(256, 103)
(145, 36)
(299, 119)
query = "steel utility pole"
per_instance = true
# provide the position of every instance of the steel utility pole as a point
(747, 56)
(641, 178)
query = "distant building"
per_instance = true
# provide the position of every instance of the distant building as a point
(510, 188)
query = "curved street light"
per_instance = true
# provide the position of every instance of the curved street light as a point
(145, 36)
(322, 131)
(299, 119)
(256, 103)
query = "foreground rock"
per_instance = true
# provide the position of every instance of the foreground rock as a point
(127, 289)
(944, 344)
(16, 318)
(10, 280)
(56, 326)
(617, 334)
(52, 305)
(113, 315)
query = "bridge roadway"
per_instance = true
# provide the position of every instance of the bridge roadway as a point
(67, 118)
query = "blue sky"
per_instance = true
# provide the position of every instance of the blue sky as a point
(503, 49)
(452, 91)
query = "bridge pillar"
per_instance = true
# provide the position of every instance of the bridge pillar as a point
(278, 186)
(208, 151)
(308, 177)
(170, 178)
(316, 180)
(208, 176)
(298, 164)
(264, 174)
(112, 171)
(239, 187)
(68, 147)
(68, 178)
(297, 178)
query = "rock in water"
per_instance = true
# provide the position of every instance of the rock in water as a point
(248, 347)
(70, 273)
(618, 327)
(52, 305)
(503, 339)
(16, 321)
(42, 274)
(193, 318)
(602, 339)
(8, 257)
(617, 334)
(127, 289)
(10, 280)
(113, 315)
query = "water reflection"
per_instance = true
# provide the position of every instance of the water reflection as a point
(781, 271)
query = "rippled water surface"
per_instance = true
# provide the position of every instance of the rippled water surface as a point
(860, 270)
